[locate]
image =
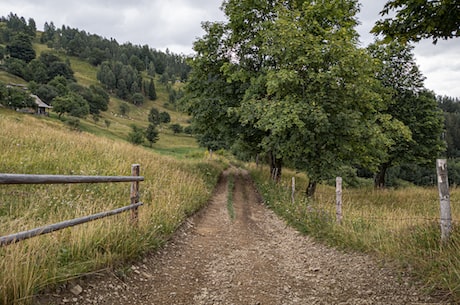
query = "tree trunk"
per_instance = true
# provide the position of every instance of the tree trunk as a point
(275, 167)
(379, 179)
(311, 188)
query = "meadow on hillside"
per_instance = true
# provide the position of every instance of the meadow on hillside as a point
(172, 190)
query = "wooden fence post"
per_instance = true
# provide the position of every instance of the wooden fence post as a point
(293, 191)
(338, 201)
(444, 198)
(135, 171)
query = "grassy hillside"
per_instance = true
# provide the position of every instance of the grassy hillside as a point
(172, 190)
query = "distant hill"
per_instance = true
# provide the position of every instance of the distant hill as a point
(94, 84)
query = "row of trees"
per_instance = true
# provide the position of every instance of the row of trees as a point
(126, 82)
(120, 65)
(40, 70)
(288, 79)
(96, 50)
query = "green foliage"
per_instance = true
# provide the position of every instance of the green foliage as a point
(123, 108)
(20, 47)
(176, 128)
(296, 86)
(121, 78)
(152, 94)
(96, 97)
(13, 25)
(15, 98)
(164, 117)
(72, 104)
(209, 95)
(46, 92)
(137, 99)
(415, 122)
(154, 116)
(418, 19)
(451, 108)
(188, 130)
(152, 134)
(136, 136)
(15, 66)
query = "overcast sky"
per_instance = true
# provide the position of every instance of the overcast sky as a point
(175, 24)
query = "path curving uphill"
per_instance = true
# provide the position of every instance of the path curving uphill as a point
(251, 259)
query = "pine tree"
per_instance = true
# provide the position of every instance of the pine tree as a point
(151, 90)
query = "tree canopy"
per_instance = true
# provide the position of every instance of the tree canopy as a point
(416, 122)
(418, 19)
(289, 80)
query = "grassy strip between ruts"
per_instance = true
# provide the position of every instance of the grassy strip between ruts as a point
(398, 225)
(230, 187)
(172, 190)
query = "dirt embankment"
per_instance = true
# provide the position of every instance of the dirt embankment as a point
(251, 259)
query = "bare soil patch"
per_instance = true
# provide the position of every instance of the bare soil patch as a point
(251, 259)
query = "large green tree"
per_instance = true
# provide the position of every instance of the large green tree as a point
(21, 47)
(287, 79)
(315, 97)
(418, 19)
(416, 121)
(208, 93)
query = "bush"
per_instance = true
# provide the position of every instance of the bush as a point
(152, 134)
(136, 136)
(124, 108)
(176, 128)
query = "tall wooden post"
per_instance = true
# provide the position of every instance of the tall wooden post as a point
(293, 190)
(444, 198)
(338, 200)
(135, 171)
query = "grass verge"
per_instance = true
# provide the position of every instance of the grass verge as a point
(401, 226)
(173, 189)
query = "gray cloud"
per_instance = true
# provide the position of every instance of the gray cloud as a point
(175, 24)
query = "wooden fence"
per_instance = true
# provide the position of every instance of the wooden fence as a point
(64, 179)
(444, 199)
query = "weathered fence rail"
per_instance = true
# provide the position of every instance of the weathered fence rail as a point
(64, 179)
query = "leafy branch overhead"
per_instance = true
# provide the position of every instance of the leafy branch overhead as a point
(413, 20)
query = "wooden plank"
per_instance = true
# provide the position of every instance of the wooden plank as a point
(62, 179)
(338, 199)
(135, 172)
(13, 238)
(444, 199)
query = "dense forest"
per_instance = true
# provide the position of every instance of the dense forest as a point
(126, 71)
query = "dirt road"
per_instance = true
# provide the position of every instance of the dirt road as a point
(251, 259)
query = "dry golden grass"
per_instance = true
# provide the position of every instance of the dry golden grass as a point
(172, 190)
(396, 224)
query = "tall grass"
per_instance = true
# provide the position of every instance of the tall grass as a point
(172, 190)
(399, 225)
